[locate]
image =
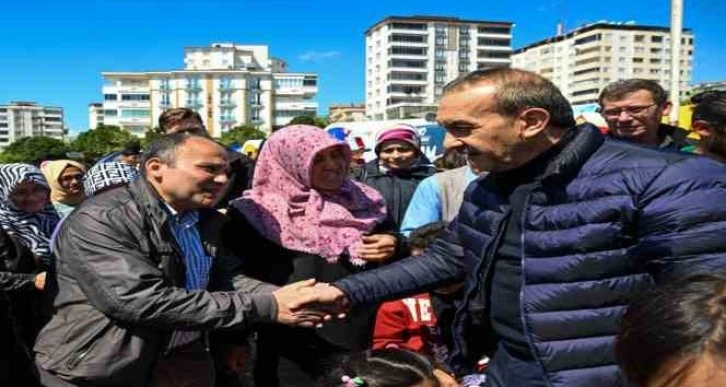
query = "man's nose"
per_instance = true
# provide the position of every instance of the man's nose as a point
(221, 178)
(451, 142)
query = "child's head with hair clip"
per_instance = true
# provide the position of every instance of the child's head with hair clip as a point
(383, 368)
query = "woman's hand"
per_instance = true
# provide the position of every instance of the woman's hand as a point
(377, 247)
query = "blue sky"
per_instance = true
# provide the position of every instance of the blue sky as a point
(54, 51)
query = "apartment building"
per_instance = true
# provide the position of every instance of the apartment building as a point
(410, 59)
(95, 115)
(583, 61)
(28, 119)
(228, 84)
(347, 113)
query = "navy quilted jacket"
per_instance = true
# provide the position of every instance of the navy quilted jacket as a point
(607, 220)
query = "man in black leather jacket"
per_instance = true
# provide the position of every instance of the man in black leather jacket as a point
(143, 278)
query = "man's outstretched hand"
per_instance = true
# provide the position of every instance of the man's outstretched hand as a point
(308, 304)
(290, 301)
(331, 301)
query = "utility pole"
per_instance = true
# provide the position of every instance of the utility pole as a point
(676, 32)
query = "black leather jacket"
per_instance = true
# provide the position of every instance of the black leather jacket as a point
(121, 290)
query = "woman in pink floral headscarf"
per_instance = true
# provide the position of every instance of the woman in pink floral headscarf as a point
(304, 218)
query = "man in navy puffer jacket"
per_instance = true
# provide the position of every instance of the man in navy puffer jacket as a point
(554, 241)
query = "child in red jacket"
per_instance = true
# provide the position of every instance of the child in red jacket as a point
(410, 323)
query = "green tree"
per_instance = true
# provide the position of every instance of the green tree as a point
(150, 135)
(34, 150)
(102, 140)
(240, 134)
(320, 122)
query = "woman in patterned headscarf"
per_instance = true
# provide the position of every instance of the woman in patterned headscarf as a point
(105, 176)
(307, 219)
(27, 220)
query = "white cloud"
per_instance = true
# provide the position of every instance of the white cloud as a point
(315, 56)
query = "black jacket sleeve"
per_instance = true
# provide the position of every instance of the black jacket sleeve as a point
(10, 281)
(440, 264)
(123, 283)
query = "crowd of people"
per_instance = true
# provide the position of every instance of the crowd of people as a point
(535, 252)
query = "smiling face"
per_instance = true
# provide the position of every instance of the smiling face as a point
(490, 140)
(396, 154)
(636, 117)
(71, 180)
(329, 169)
(196, 177)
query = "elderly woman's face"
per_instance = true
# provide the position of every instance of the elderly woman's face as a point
(71, 179)
(397, 154)
(329, 169)
(30, 197)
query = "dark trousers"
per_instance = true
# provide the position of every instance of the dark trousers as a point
(506, 370)
(189, 366)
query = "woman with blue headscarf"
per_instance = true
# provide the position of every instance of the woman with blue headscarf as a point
(27, 220)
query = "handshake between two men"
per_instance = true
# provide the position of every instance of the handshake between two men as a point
(309, 304)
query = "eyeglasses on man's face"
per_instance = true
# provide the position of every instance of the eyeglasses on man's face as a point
(632, 111)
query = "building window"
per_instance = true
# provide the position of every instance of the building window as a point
(409, 26)
(134, 97)
(407, 63)
(588, 39)
(407, 38)
(402, 50)
(135, 113)
(493, 54)
(110, 97)
(637, 60)
(656, 39)
(493, 30)
(497, 42)
(110, 112)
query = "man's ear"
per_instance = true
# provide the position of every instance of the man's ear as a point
(154, 168)
(702, 128)
(533, 122)
(666, 108)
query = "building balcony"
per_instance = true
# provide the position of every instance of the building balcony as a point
(165, 88)
(227, 104)
(193, 88)
(256, 121)
(164, 105)
(227, 120)
(194, 105)
(226, 88)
